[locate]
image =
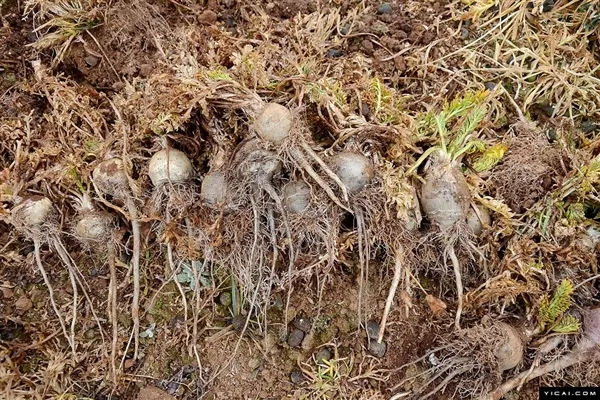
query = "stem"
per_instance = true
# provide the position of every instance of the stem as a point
(38, 260)
(112, 301)
(307, 167)
(135, 303)
(391, 294)
(459, 285)
(326, 168)
(177, 283)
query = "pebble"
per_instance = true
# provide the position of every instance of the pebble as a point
(377, 349)
(207, 17)
(551, 134)
(334, 53)
(295, 338)
(548, 110)
(225, 299)
(588, 126)
(344, 30)
(548, 5)
(91, 61)
(373, 329)
(384, 8)
(91, 334)
(302, 323)
(323, 355)
(297, 376)
(23, 304)
(489, 85)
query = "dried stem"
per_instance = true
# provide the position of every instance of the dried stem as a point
(135, 303)
(112, 301)
(392, 292)
(459, 285)
(38, 260)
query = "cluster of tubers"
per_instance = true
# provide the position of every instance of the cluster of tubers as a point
(274, 199)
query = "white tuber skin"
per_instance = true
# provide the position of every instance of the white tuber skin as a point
(587, 350)
(274, 123)
(29, 216)
(477, 218)
(94, 226)
(445, 196)
(111, 178)
(510, 353)
(354, 170)
(170, 165)
(296, 196)
(214, 189)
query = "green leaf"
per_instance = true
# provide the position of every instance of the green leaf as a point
(568, 324)
(551, 310)
(490, 157)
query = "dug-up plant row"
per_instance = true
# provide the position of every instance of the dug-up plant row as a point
(273, 197)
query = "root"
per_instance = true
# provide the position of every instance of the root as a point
(135, 303)
(443, 384)
(38, 260)
(178, 284)
(326, 168)
(392, 293)
(180, 288)
(584, 352)
(112, 301)
(307, 167)
(271, 222)
(361, 257)
(459, 285)
(75, 302)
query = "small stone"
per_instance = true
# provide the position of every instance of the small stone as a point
(344, 30)
(373, 329)
(377, 349)
(323, 355)
(464, 33)
(154, 393)
(334, 53)
(225, 299)
(551, 134)
(365, 111)
(302, 323)
(207, 17)
(295, 338)
(129, 363)
(23, 304)
(254, 363)
(548, 110)
(489, 85)
(588, 126)
(91, 61)
(548, 5)
(297, 376)
(384, 8)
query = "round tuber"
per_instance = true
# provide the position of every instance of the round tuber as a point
(170, 165)
(32, 212)
(445, 196)
(274, 123)
(510, 352)
(214, 189)
(111, 178)
(354, 170)
(478, 219)
(95, 226)
(296, 196)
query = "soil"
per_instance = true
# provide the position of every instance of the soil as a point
(108, 67)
